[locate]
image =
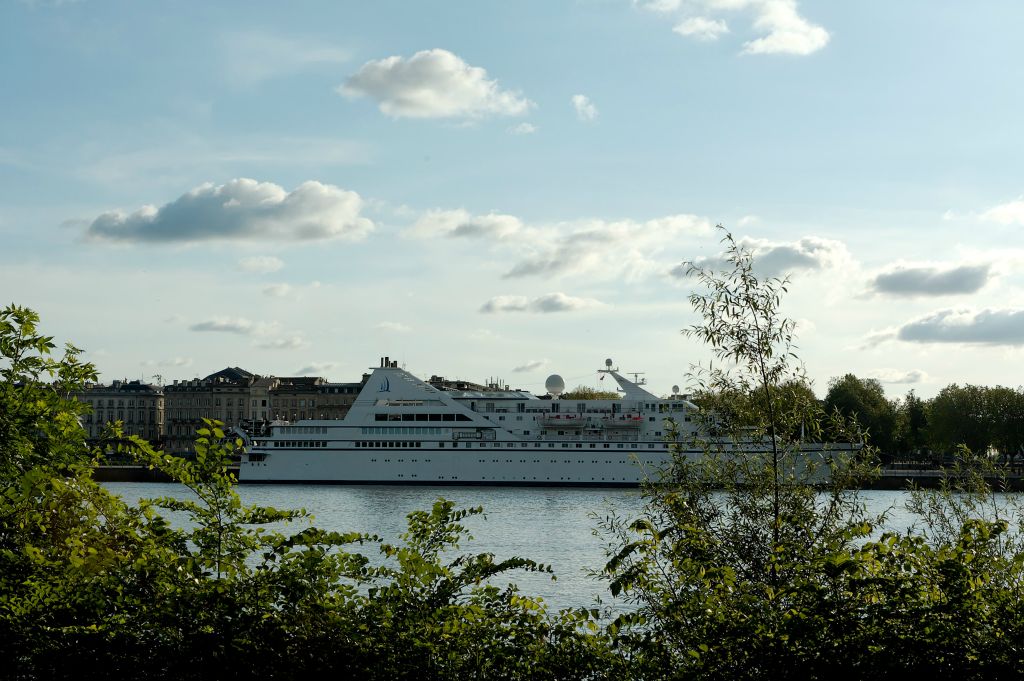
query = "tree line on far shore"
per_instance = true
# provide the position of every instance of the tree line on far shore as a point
(988, 420)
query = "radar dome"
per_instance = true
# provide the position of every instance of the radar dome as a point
(554, 385)
(675, 390)
(608, 363)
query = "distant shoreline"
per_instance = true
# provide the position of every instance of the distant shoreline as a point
(889, 480)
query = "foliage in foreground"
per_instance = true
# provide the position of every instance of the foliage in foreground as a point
(768, 566)
(91, 587)
(749, 567)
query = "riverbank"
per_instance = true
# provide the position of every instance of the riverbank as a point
(890, 479)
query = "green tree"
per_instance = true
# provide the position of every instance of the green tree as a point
(583, 392)
(864, 399)
(39, 418)
(959, 415)
(911, 431)
(723, 562)
(1006, 421)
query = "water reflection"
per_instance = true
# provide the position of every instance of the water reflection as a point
(554, 526)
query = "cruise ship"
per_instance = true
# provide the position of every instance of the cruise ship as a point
(402, 430)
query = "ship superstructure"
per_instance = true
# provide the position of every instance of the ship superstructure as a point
(402, 430)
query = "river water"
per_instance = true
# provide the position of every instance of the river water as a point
(555, 526)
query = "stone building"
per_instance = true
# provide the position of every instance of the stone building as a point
(226, 396)
(336, 398)
(139, 406)
(294, 397)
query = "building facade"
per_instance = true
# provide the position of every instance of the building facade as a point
(225, 396)
(138, 406)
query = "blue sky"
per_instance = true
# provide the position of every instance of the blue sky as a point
(503, 189)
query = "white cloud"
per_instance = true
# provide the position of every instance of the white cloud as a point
(1011, 213)
(460, 223)
(662, 6)
(261, 264)
(777, 259)
(277, 290)
(783, 30)
(287, 343)
(242, 209)
(984, 327)
(523, 129)
(624, 249)
(432, 84)
(899, 376)
(551, 302)
(483, 335)
(787, 31)
(808, 253)
(237, 325)
(317, 368)
(585, 109)
(748, 220)
(173, 362)
(529, 366)
(927, 280)
(396, 327)
(254, 56)
(702, 28)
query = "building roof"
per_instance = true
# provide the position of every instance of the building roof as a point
(234, 374)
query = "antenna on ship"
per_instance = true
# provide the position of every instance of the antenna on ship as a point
(555, 386)
(636, 377)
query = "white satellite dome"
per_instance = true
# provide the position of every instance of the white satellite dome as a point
(555, 385)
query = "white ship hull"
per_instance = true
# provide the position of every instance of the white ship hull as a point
(498, 466)
(401, 430)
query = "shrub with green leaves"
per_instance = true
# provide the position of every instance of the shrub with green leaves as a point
(92, 587)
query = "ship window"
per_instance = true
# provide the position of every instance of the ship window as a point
(447, 417)
(421, 417)
(435, 417)
(380, 417)
(526, 432)
(408, 417)
(579, 446)
(551, 444)
(650, 446)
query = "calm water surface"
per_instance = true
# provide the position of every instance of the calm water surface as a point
(555, 526)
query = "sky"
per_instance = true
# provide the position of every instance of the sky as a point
(508, 190)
